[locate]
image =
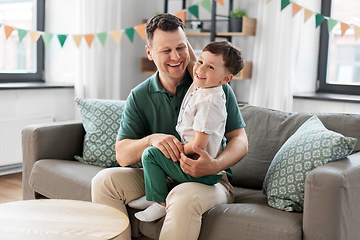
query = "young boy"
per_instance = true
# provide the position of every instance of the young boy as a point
(201, 123)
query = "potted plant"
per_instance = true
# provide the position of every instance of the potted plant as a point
(236, 18)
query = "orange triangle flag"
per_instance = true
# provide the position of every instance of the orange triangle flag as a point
(181, 15)
(140, 29)
(89, 38)
(295, 8)
(220, 1)
(8, 31)
(116, 35)
(34, 35)
(357, 32)
(344, 27)
(307, 14)
(77, 39)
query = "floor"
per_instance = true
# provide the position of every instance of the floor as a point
(10, 188)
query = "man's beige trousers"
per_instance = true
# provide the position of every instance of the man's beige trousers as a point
(186, 202)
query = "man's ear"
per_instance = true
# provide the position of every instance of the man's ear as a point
(148, 52)
(227, 78)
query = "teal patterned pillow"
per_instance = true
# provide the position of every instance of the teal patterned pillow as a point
(101, 121)
(311, 146)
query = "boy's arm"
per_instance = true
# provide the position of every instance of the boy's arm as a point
(201, 140)
(193, 59)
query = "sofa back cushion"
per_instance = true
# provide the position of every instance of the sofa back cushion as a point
(267, 130)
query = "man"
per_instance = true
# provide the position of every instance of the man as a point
(149, 119)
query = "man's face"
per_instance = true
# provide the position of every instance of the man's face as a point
(169, 52)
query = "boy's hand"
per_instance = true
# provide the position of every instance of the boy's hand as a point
(203, 166)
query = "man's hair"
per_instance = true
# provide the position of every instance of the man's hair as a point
(165, 22)
(233, 61)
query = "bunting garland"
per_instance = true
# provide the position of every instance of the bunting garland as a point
(140, 29)
(319, 18)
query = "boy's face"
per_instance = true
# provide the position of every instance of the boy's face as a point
(170, 54)
(209, 71)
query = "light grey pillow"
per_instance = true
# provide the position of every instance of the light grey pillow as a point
(101, 121)
(311, 146)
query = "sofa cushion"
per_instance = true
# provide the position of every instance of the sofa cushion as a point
(62, 179)
(101, 120)
(248, 218)
(311, 146)
(267, 130)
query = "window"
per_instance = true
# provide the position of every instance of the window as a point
(339, 56)
(21, 61)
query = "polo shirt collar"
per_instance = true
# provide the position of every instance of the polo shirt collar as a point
(155, 85)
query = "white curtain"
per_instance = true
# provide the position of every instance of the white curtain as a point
(278, 59)
(98, 74)
(95, 70)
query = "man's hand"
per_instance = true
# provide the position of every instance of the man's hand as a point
(169, 145)
(204, 165)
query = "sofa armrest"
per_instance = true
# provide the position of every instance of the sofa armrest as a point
(332, 197)
(57, 140)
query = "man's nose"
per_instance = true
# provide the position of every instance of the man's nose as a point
(174, 55)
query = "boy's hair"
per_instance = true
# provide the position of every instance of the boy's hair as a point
(165, 22)
(233, 60)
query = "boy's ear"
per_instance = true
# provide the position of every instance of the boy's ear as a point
(148, 52)
(227, 78)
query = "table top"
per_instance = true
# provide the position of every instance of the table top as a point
(60, 219)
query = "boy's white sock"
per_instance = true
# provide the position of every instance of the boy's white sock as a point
(152, 213)
(140, 203)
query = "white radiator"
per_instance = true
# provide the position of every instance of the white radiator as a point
(10, 138)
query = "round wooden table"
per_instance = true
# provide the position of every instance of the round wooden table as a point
(60, 219)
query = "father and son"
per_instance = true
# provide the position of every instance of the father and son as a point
(175, 123)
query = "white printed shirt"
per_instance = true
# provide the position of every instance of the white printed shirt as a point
(203, 110)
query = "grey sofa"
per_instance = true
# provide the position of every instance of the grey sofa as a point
(332, 191)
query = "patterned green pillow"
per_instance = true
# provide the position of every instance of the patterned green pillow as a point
(101, 121)
(311, 146)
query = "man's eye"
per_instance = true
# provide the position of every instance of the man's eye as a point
(167, 51)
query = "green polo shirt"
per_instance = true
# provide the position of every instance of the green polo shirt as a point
(150, 108)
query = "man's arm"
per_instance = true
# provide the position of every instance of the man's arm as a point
(129, 151)
(235, 150)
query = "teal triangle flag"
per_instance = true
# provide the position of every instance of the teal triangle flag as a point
(319, 19)
(130, 33)
(47, 38)
(284, 4)
(194, 10)
(62, 39)
(206, 4)
(21, 33)
(331, 24)
(102, 37)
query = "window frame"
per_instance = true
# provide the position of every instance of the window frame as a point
(322, 85)
(38, 75)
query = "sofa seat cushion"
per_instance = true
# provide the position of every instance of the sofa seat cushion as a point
(248, 218)
(62, 179)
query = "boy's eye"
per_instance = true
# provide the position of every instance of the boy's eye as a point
(200, 62)
(211, 67)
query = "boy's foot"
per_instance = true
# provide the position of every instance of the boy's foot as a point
(152, 213)
(140, 203)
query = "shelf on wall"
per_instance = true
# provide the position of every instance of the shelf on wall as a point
(149, 67)
(249, 29)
